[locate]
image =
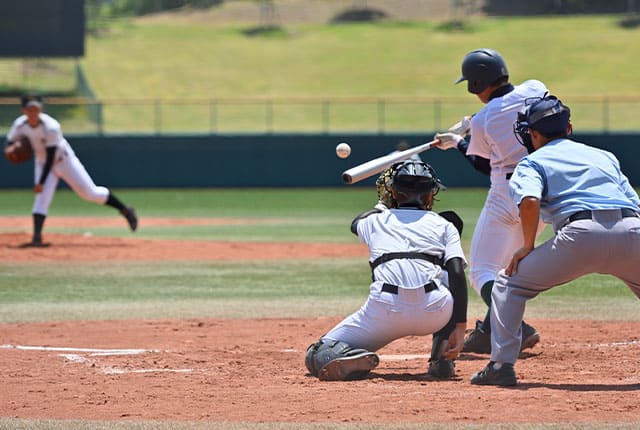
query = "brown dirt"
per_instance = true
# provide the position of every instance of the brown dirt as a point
(87, 247)
(252, 370)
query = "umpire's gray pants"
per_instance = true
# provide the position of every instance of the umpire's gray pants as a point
(608, 244)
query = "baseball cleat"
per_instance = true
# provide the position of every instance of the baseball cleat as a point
(530, 336)
(349, 368)
(477, 341)
(130, 214)
(503, 377)
(35, 244)
(442, 368)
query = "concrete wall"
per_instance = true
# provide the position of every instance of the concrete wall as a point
(291, 160)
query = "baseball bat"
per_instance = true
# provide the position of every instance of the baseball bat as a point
(377, 165)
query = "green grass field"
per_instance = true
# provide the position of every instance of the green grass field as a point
(104, 290)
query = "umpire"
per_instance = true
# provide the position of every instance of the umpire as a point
(581, 191)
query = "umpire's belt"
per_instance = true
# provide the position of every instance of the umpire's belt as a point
(393, 289)
(624, 212)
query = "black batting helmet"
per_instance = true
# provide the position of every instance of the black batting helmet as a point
(547, 115)
(412, 180)
(481, 68)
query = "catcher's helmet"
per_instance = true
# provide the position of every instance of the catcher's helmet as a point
(412, 180)
(547, 115)
(481, 68)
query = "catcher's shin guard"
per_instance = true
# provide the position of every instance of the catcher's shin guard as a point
(338, 361)
(439, 366)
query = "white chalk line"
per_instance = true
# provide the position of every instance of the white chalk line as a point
(75, 355)
(96, 351)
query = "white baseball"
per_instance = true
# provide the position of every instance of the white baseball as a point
(343, 150)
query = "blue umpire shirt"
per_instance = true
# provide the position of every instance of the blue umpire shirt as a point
(569, 177)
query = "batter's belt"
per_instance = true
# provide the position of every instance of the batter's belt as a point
(586, 214)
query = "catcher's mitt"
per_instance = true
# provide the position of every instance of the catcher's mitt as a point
(19, 150)
(383, 186)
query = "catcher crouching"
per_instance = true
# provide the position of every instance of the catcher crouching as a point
(419, 286)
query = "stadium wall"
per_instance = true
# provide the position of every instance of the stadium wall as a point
(277, 160)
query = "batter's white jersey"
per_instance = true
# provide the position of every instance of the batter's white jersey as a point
(412, 311)
(66, 165)
(498, 234)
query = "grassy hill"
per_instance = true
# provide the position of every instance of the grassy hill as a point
(587, 55)
(181, 57)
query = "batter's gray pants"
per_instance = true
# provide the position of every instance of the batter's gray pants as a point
(608, 244)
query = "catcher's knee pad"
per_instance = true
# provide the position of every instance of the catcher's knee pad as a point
(335, 360)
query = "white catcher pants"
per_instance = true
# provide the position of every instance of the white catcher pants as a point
(70, 169)
(386, 317)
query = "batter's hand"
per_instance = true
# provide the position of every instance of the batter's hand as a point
(456, 342)
(462, 128)
(447, 140)
(512, 268)
(38, 188)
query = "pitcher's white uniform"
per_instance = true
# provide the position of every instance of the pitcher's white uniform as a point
(412, 311)
(66, 165)
(497, 233)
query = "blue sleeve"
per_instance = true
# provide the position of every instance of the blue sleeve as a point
(528, 180)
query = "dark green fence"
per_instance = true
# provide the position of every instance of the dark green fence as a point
(286, 160)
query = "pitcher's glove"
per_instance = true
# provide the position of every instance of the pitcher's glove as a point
(19, 150)
(383, 187)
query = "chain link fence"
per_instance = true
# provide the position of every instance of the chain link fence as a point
(300, 115)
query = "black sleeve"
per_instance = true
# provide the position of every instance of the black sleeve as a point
(458, 287)
(363, 215)
(481, 164)
(51, 154)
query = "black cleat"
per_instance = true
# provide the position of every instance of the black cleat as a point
(530, 336)
(477, 341)
(130, 214)
(36, 242)
(503, 377)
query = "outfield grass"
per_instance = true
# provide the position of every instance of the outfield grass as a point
(106, 290)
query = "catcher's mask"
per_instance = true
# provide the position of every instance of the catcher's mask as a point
(412, 181)
(547, 115)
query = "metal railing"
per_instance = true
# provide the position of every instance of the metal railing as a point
(302, 115)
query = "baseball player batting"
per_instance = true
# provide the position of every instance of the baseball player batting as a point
(593, 208)
(493, 150)
(54, 160)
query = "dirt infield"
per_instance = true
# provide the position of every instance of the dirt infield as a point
(253, 371)
(243, 370)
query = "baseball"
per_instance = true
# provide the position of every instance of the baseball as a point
(343, 150)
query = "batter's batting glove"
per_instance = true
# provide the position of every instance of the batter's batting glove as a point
(447, 140)
(462, 128)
